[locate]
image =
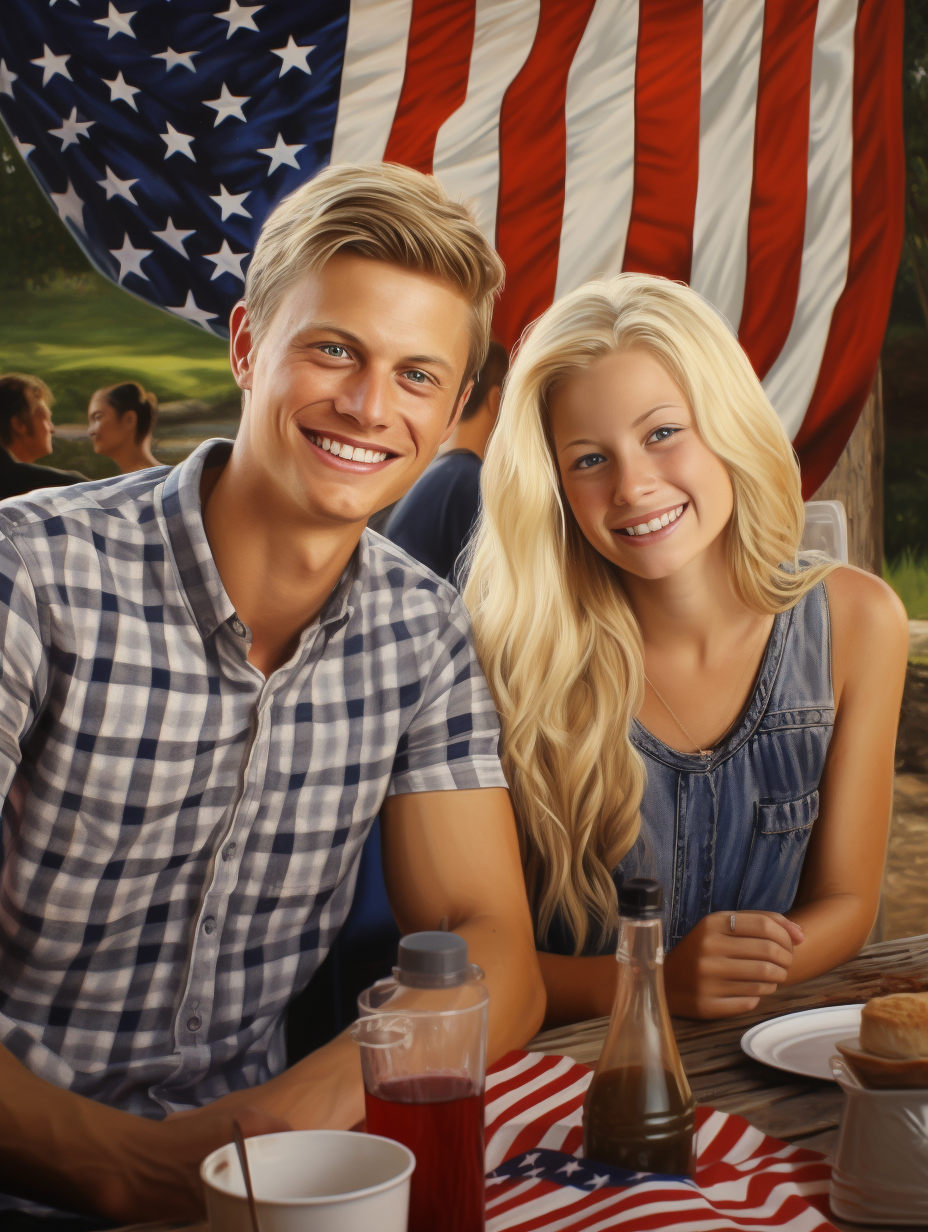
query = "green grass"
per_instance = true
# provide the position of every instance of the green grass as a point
(87, 333)
(908, 576)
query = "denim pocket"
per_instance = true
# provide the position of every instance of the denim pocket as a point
(778, 848)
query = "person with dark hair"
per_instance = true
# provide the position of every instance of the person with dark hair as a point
(26, 432)
(434, 519)
(121, 420)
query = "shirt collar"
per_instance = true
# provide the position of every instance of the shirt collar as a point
(181, 516)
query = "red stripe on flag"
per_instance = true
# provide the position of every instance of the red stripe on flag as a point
(441, 39)
(877, 226)
(532, 166)
(668, 82)
(776, 222)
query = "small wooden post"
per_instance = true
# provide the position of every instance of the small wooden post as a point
(857, 481)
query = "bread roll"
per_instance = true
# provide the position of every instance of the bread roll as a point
(896, 1026)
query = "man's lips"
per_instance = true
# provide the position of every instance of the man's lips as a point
(346, 454)
(652, 527)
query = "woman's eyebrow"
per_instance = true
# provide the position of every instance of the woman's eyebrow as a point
(661, 406)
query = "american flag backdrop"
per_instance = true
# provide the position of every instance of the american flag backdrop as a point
(750, 147)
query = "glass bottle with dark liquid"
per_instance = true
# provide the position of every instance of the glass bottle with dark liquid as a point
(638, 1112)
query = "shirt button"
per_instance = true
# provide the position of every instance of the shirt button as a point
(238, 627)
(229, 851)
(193, 1023)
(209, 925)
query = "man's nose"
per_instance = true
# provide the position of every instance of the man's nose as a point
(367, 399)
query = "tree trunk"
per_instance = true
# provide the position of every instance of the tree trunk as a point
(857, 481)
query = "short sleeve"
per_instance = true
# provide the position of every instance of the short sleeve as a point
(23, 662)
(453, 738)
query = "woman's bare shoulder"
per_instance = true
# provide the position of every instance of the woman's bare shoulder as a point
(869, 625)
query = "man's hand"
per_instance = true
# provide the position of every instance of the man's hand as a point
(717, 973)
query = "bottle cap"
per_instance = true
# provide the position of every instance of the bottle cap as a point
(432, 960)
(641, 898)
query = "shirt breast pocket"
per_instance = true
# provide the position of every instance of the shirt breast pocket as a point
(778, 847)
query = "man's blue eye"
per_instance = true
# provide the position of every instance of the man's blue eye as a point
(417, 376)
(588, 460)
(331, 348)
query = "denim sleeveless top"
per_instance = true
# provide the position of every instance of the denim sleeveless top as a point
(730, 832)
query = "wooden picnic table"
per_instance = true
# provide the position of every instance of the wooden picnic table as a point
(786, 1106)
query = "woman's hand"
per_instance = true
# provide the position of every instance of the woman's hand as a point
(717, 973)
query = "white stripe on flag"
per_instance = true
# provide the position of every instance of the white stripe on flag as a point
(527, 1061)
(732, 32)
(749, 1141)
(826, 245)
(503, 1138)
(600, 171)
(554, 1137)
(372, 78)
(709, 1130)
(496, 1106)
(467, 147)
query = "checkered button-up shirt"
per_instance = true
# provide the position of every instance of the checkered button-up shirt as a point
(181, 836)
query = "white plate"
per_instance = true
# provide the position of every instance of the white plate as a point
(802, 1043)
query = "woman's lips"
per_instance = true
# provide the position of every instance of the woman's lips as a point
(645, 533)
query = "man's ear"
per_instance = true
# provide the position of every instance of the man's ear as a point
(21, 425)
(494, 397)
(241, 348)
(458, 408)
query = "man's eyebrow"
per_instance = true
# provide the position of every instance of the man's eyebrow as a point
(330, 327)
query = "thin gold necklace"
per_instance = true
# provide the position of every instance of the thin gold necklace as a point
(704, 753)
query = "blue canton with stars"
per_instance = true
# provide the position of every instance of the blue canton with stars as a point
(165, 131)
(561, 1169)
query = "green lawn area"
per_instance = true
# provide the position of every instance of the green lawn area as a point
(80, 337)
(908, 576)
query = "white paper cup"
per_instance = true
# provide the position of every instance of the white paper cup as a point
(311, 1180)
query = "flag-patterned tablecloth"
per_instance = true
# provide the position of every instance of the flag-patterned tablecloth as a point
(537, 1180)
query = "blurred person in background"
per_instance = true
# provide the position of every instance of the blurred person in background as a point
(433, 520)
(26, 432)
(120, 423)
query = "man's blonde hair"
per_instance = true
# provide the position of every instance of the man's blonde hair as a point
(383, 211)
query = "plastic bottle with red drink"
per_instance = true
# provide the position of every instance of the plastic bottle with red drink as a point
(423, 1057)
(639, 1109)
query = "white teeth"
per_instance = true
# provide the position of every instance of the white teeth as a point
(335, 449)
(326, 443)
(672, 516)
(665, 519)
(642, 528)
(654, 524)
(368, 455)
(348, 452)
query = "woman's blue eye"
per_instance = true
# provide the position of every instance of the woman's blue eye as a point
(662, 434)
(588, 460)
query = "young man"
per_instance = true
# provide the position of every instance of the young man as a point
(26, 432)
(433, 521)
(212, 681)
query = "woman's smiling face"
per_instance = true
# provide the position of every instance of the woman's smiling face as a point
(646, 491)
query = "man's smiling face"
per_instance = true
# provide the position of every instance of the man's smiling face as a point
(355, 384)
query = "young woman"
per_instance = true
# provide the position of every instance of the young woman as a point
(120, 423)
(681, 695)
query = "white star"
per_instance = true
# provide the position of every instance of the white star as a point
(227, 105)
(52, 64)
(919, 74)
(25, 149)
(571, 1168)
(69, 206)
(226, 262)
(71, 129)
(130, 259)
(230, 203)
(173, 58)
(529, 1160)
(190, 312)
(239, 17)
(177, 143)
(598, 1181)
(282, 153)
(77, 3)
(115, 187)
(174, 237)
(293, 56)
(120, 89)
(116, 22)
(7, 77)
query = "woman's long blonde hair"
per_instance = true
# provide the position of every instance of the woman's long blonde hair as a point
(557, 638)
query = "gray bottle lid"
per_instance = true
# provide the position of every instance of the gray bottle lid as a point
(641, 898)
(432, 960)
